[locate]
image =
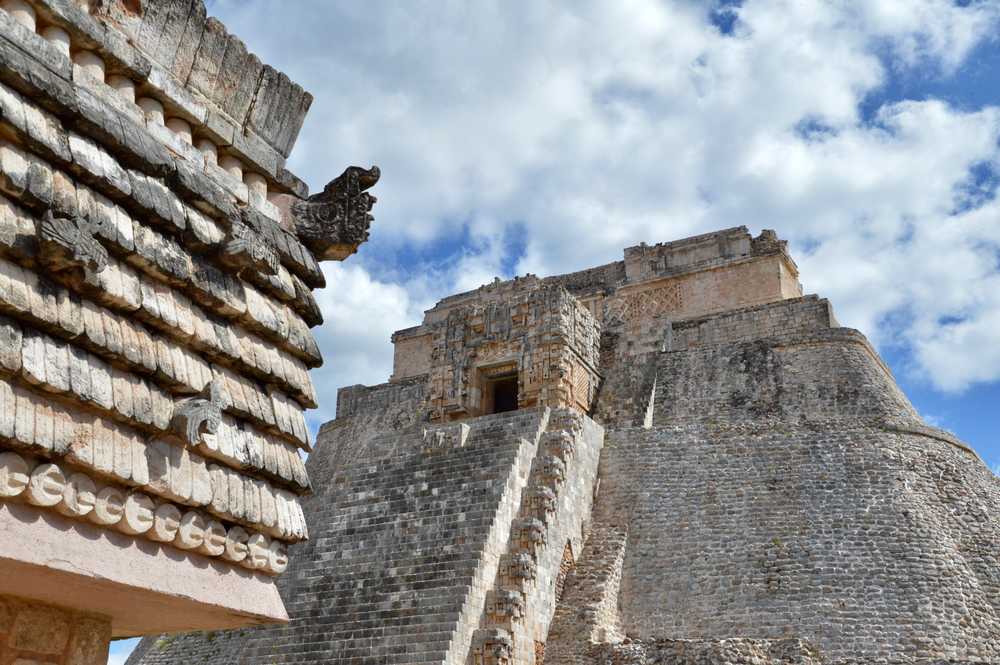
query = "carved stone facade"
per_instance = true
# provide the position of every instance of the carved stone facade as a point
(157, 263)
(539, 338)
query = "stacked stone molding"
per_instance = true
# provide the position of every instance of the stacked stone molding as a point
(157, 263)
(746, 484)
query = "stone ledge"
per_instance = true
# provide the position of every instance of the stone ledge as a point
(142, 586)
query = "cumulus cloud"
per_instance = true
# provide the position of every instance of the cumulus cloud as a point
(547, 136)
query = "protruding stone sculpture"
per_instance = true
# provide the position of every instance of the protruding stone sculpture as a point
(69, 244)
(334, 222)
(199, 415)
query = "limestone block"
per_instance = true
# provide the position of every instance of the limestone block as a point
(268, 508)
(79, 496)
(236, 548)
(24, 416)
(15, 473)
(89, 643)
(122, 391)
(41, 630)
(166, 522)
(251, 501)
(214, 540)
(277, 560)
(181, 474)
(46, 486)
(140, 470)
(157, 455)
(44, 424)
(109, 508)
(104, 446)
(220, 489)
(201, 482)
(191, 531)
(258, 552)
(123, 454)
(8, 410)
(88, 67)
(237, 495)
(153, 110)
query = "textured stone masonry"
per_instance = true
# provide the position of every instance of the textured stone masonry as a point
(746, 484)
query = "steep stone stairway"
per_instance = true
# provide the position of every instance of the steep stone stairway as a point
(545, 538)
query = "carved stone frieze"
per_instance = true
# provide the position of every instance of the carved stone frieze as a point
(334, 222)
(493, 646)
(244, 248)
(504, 607)
(439, 439)
(198, 415)
(69, 244)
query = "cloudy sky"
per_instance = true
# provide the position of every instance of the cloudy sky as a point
(536, 136)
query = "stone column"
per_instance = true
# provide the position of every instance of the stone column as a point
(36, 634)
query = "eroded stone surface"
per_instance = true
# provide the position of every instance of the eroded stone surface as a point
(156, 342)
(764, 492)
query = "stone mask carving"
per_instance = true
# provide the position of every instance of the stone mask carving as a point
(334, 222)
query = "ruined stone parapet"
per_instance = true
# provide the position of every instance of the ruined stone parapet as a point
(156, 268)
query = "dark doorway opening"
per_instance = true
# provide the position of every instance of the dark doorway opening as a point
(501, 394)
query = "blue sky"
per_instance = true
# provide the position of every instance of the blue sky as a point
(545, 137)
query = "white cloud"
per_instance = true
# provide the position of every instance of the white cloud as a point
(593, 125)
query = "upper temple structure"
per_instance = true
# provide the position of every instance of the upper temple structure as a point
(157, 263)
(676, 458)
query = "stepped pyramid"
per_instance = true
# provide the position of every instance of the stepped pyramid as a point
(675, 458)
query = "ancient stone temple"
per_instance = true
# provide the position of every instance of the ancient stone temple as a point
(676, 458)
(157, 262)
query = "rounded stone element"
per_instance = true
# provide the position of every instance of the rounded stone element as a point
(191, 531)
(232, 166)
(180, 127)
(79, 496)
(109, 507)
(256, 182)
(22, 12)
(90, 64)
(15, 473)
(152, 109)
(137, 516)
(236, 545)
(166, 522)
(209, 151)
(258, 552)
(214, 543)
(123, 85)
(277, 557)
(58, 38)
(46, 485)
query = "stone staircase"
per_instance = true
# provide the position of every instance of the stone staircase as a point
(547, 532)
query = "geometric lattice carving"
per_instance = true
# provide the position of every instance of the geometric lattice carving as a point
(647, 304)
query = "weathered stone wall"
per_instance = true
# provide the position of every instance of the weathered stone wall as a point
(866, 543)
(34, 633)
(157, 263)
(786, 489)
